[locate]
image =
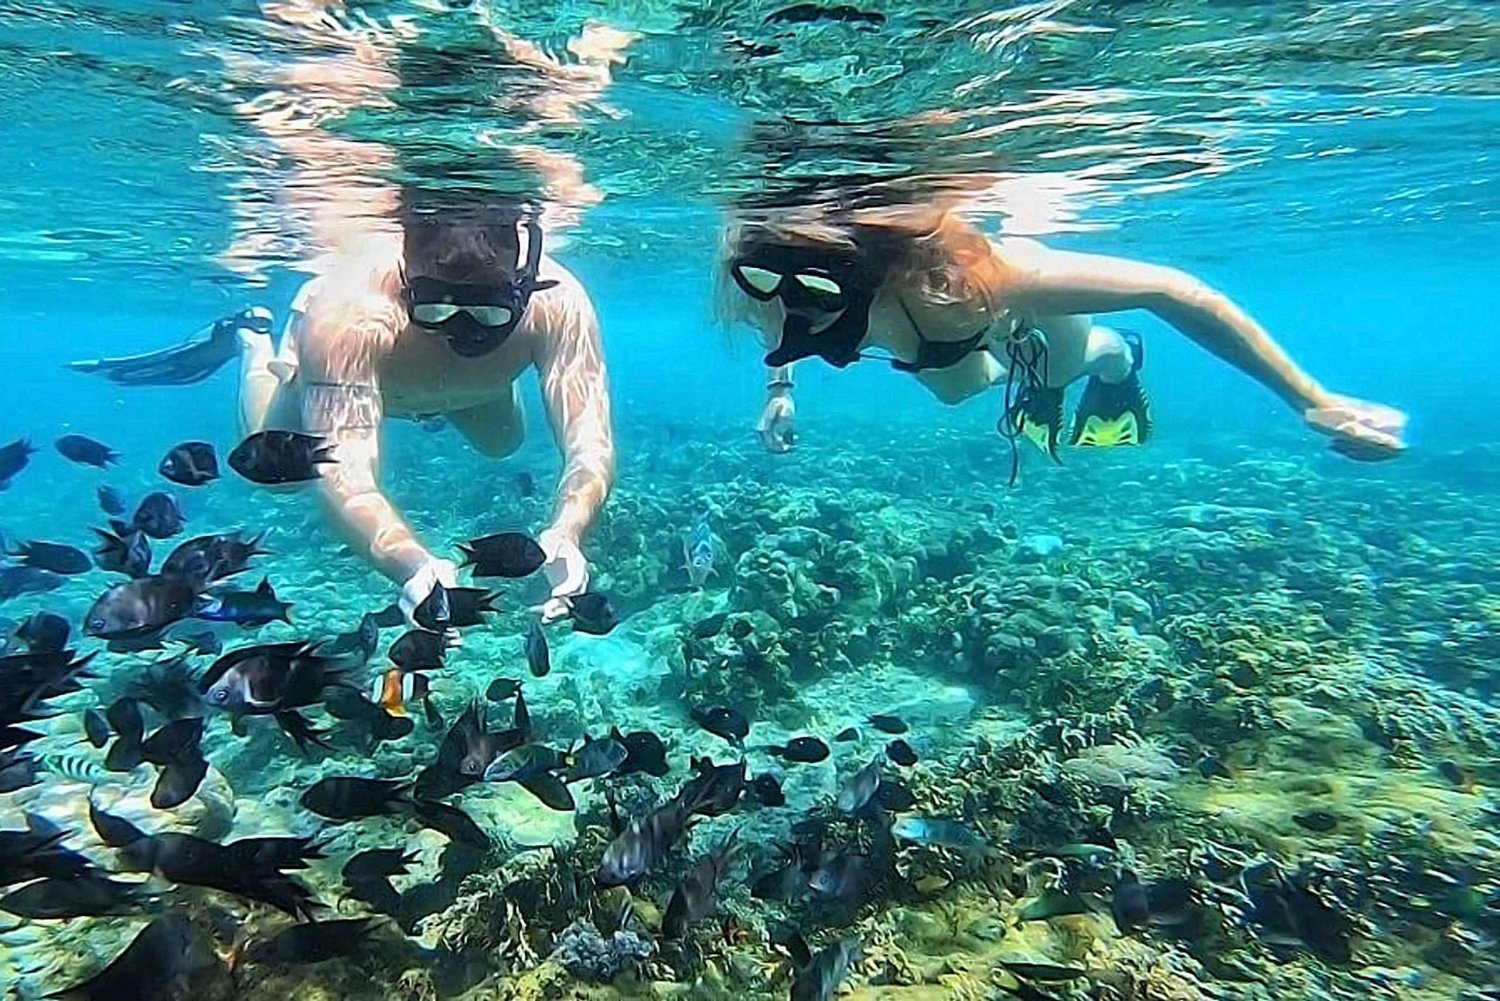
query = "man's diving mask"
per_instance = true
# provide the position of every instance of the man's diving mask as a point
(810, 285)
(477, 318)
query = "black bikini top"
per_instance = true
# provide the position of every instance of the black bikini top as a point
(938, 354)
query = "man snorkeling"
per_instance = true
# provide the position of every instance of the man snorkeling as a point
(440, 314)
(441, 318)
(926, 291)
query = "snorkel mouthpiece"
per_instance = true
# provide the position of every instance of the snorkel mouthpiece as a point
(471, 339)
(837, 344)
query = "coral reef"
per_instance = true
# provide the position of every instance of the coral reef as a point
(587, 955)
(1261, 687)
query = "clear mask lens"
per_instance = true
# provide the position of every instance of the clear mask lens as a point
(760, 279)
(820, 285)
(489, 316)
(433, 312)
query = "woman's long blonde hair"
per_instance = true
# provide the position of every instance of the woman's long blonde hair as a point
(927, 250)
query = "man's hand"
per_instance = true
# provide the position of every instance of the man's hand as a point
(775, 427)
(420, 585)
(1365, 431)
(567, 571)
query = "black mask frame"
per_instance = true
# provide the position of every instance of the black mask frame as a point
(838, 343)
(467, 335)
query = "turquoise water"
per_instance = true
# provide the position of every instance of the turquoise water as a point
(1069, 652)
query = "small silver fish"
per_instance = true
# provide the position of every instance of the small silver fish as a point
(856, 793)
(944, 833)
(72, 766)
(698, 552)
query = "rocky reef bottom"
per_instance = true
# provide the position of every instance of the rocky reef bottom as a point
(1212, 722)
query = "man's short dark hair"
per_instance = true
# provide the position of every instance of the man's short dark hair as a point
(459, 234)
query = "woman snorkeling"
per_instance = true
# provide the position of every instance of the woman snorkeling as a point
(922, 289)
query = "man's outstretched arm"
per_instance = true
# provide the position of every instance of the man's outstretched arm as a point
(570, 364)
(341, 401)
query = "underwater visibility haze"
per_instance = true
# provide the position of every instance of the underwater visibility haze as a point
(464, 535)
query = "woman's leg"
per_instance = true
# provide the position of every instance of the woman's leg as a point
(1107, 356)
(1114, 409)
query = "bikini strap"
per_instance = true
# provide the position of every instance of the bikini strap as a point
(967, 346)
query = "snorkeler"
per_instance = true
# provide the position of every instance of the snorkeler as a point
(932, 295)
(441, 313)
(442, 319)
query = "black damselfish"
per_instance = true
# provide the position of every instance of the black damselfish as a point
(53, 556)
(901, 753)
(154, 965)
(507, 554)
(453, 608)
(273, 679)
(593, 613)
(538, 657)
(805, 750)
(86, 451)
(111, 501)
(14, 458)
(418, 650)
(191, 464)
(128, 553)
(644, 752)
(159, 516)
(138, 608)
(273, 457)
(253, 868)
(348, 797)
(43, 631)
(175, 749)
(84, 895)
(313, 942)
(722, 721)
(209, 559)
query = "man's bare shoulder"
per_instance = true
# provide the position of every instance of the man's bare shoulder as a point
(563, 312)
(352, 307)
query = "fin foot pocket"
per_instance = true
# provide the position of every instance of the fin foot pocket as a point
(1109, 416)
(1038, 418)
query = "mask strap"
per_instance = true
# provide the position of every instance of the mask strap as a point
(1026, 372)
(526, 281)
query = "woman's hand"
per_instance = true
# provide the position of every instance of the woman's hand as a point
(567, 571)
(775, 427)
(1368, 432)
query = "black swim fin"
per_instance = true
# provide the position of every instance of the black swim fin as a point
(191, 361)
(1038, 418)
(1111, 415)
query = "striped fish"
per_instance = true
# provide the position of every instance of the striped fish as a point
(72, 766)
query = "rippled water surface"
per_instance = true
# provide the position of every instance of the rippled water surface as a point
(137, 133)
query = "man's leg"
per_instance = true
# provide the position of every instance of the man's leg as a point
(266, 398)
(497, 428)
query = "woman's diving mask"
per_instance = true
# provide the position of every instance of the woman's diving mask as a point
(811, 284)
